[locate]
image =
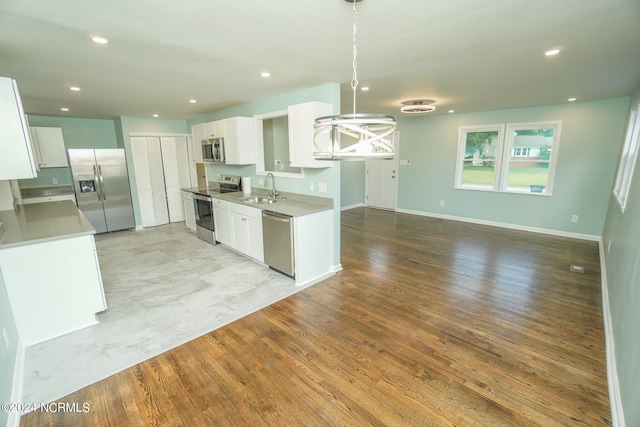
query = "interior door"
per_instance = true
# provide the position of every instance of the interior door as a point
(382, 181)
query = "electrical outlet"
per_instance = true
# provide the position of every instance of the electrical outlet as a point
(574, 218)
(54, 180)
(441, 203)
(312, 186)
(322, 187)
(5, 334)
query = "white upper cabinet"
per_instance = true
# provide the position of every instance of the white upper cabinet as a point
(17, 160)
(198, 133)
(48, 145)
(301, 120)
(239, 141)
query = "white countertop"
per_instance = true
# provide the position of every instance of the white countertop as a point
(42, 222)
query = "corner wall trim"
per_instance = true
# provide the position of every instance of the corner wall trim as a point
(617, 413)
(18, 383)
(580, 236)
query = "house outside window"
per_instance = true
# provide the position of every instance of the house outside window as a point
(518, 158)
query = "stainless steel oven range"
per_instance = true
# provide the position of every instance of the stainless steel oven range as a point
(205, 228)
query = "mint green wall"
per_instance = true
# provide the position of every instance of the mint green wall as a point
(589, 143)
(77, 133)
(623, 282)
(329, 93)
(7, 356)
(352, 183)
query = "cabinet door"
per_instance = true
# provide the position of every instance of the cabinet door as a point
(301, 147)
(17, 159)
(256, 248)
(189, 210)
(223, 226)
(50, 149)
(240, 233)
(240, 141)
(198, 133)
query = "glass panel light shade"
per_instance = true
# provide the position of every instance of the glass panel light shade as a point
(373, 134)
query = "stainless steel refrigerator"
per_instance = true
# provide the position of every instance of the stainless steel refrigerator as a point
(101, 183)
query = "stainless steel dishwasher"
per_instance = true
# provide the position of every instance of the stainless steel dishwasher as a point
(277, 232)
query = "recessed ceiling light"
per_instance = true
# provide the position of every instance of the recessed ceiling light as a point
(571, 99)
(552, 52)
(418, 106)
(99, 40)
(64, 109)
(156, 116)
(265, 74)
(364, 88)
(193, 101)
(74, 88)
(452, 111)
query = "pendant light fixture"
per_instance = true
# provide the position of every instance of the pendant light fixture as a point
(373, 133)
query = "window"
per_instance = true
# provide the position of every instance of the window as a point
(520, 159)
(628, 158)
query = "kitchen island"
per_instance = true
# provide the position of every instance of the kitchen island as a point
(239, 225)
(50, 267)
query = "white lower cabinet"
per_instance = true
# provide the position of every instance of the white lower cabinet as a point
(246, 223)
(222, 222)
(189, 210)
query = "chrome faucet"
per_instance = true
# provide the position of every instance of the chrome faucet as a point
(274, 192)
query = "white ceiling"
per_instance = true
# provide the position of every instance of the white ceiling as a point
(467, 55)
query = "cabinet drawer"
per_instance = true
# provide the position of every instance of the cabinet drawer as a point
(220, 204)
(248, 211)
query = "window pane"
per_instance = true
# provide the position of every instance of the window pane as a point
(480, 159)
(528, 166)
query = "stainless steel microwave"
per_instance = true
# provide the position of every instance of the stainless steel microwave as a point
(213, 150)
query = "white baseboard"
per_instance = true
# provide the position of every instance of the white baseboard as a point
(505, 225)
(18, 384)
(617, 413)
(346, 208)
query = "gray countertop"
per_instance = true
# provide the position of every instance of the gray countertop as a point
(59, 190)
(42, 222)
(294, 205)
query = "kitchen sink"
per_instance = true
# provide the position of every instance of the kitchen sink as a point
(257, 199)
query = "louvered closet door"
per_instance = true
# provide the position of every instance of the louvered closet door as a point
(156, 169)
(143, 181)
(147, 162)
(175, 159)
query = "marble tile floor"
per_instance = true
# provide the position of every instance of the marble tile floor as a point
(164, 287)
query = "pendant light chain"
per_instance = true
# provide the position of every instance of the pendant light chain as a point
(354, 80)
(373, 133)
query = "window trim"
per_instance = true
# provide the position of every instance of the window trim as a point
(626, 164)
(462, 145)
(504, 153)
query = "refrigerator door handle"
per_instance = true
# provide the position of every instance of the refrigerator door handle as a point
(104, 194)
(97, 181)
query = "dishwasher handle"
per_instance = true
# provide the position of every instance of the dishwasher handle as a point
(274, 216)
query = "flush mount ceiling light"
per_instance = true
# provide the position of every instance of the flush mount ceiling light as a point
(99, 40)
(416, 106)
(373, 132)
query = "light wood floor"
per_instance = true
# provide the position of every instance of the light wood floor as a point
(431, 323)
